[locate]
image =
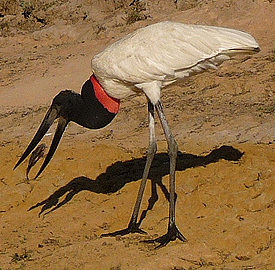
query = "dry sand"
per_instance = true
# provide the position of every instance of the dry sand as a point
(225, 204)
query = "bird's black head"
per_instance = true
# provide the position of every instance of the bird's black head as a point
(64, 104)
(84, 109)
(62, 109)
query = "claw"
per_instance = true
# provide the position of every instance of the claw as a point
(172, 234)
(132, 228)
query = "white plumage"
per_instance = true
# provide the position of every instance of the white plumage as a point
(155, 56)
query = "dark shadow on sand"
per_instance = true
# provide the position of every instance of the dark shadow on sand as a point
(121, 173)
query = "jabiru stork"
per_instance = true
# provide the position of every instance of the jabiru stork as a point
(144, 61)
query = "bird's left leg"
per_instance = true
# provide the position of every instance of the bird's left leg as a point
(173, 233)
(133, 226)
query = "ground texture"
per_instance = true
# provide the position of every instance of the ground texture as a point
(223, 122)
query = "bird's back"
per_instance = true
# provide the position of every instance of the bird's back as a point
(165, 52)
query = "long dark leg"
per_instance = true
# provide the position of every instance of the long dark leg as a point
(152, 148)
(173, 232)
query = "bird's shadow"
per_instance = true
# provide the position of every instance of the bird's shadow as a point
(123, 172)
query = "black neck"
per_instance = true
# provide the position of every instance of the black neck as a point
(88, 111)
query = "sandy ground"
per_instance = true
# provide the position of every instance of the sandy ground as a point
(223, 122)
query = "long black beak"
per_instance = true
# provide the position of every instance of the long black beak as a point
(48, 120)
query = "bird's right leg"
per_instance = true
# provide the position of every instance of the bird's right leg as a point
(133, 226)
(173, 232)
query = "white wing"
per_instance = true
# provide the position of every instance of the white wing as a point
(167, 51)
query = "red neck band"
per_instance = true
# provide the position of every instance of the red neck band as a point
(109, 103)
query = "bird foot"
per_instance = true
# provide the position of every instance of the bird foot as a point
(172, 234)
(132, 228)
